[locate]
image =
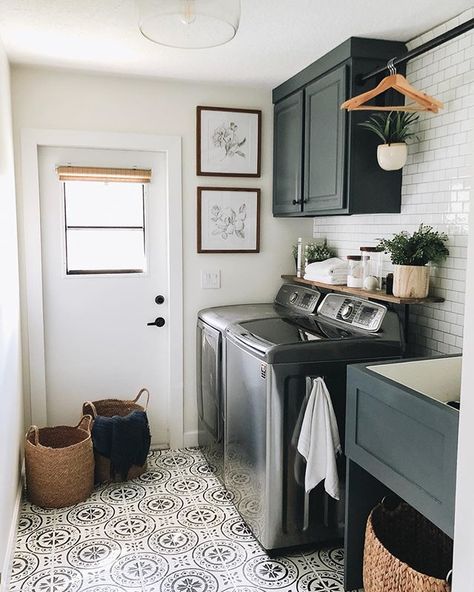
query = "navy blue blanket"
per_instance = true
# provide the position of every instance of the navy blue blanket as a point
(124, 440)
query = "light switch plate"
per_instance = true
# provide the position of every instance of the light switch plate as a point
(211, 280)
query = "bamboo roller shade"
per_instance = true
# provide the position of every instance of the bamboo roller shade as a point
(77, 173)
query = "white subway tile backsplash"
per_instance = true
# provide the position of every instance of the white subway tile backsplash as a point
(443, 348)
(436, 188)
(469, 51)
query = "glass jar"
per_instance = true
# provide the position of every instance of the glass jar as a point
(372, 268)
(354, 271)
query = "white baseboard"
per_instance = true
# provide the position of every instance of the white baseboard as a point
(190, 439)
(8, 561)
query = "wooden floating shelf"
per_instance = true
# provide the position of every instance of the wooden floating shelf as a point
(370, 294)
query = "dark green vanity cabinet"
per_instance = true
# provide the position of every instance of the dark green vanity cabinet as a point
(324, 164)
(398, 441)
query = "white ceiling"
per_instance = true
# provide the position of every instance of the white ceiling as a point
(276, 38)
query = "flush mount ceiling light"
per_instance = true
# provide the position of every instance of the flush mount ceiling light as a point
(189, 24)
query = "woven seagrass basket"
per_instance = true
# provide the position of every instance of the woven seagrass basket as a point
(59, 464)
(405, 552)
(109, 408)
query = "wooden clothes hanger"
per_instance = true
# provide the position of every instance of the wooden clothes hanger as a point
(422, 101)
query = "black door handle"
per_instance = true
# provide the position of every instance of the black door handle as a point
(159, 299)
(158, 322)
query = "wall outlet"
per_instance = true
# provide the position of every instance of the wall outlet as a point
(211, 280)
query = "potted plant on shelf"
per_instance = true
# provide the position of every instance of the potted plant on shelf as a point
(394, 128)
(313, 251)
(410, 255)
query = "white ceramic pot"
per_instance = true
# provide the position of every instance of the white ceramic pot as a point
(392, 157)
(411, 281)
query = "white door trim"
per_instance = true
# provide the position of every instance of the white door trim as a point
(31, 141)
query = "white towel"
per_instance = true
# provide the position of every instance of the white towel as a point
(319, 441)
(335, 280)
(332, 266)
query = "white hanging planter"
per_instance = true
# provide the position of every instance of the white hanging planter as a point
(392, 157)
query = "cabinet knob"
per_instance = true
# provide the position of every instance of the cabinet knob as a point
(296, 202)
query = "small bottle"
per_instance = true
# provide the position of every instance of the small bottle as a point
(354, 271)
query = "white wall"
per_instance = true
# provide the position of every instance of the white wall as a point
(435, 189)
(464, 524)
(65, 100)
(11, 416)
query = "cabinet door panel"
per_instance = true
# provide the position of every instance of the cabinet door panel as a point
(288, 155)
(325, 143)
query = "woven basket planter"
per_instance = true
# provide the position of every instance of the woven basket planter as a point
(109, 408)
(405, 552)
(59, 464)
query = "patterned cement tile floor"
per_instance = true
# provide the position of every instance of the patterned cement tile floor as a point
(174, 529)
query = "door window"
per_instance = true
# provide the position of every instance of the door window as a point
(104, 227)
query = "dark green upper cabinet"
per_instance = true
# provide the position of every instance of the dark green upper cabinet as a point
(288, 144)
(325, 135)
(324, 163)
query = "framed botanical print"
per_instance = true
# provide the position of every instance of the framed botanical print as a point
(228, 142)
(228, 220)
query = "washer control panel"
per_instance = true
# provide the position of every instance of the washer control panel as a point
(356, 312)
(298, 298)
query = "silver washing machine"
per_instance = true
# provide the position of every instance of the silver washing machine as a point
(268, 363)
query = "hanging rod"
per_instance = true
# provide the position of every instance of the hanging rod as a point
(421, 49)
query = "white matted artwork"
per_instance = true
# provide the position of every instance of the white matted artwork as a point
(228, 220)
(228, 142)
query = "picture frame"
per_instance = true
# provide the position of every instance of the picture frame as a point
(228, 142)
(228, 220)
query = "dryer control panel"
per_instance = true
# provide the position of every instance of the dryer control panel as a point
(298, 298)
(356, 312)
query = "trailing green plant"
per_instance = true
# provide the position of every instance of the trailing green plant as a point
(424, 246)
(314, 251)
(392, 127)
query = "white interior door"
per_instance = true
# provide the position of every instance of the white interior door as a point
(97, 341)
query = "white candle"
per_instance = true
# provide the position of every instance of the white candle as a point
(299, 261)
